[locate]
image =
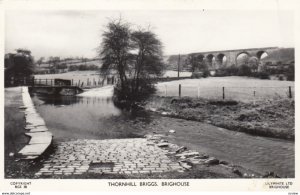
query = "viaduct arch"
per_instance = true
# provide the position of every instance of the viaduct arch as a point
(225, 58)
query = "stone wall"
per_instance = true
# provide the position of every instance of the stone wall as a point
(36, 129)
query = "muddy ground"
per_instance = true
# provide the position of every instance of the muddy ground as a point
(274, 118)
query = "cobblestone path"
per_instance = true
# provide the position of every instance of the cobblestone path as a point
(113, 156)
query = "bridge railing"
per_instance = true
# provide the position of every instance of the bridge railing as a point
(88, 83)
(78, 82)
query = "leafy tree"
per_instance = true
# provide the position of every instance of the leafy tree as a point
(40, 61)
(136, 56)
(197, 63)
(193, 62)
(291, 72)
(19, 65)
(253, 63)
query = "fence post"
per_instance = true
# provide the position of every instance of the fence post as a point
(51, 81)
(79, 83)
(72, 82)
(254, 102)
(290, 92)
(223, 93)
(166, 92)
(46, 82)
(179, 90)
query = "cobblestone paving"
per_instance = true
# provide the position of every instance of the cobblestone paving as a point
(114, 156)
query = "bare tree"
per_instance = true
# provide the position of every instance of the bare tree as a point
(148, 60)
(136, 56)
(115, 50)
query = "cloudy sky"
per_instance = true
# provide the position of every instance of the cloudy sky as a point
(78, 33)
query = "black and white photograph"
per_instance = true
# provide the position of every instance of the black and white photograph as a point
(167, 94)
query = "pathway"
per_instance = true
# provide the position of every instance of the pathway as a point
(110, 156)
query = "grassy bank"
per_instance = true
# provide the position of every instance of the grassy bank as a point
(15, 138)
(265, 118)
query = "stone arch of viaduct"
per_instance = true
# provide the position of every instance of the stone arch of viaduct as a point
(225, 58)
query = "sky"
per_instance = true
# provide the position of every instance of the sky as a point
(71, 33)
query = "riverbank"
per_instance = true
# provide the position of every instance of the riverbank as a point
(15, 138)
(274, 118)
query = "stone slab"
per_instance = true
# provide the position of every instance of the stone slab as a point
(39, 134)
(163, 145)
(29, 157)
(41, 139)
(39, 129)
(35, 149)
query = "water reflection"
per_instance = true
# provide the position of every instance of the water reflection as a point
(88, 117)
(69, 100)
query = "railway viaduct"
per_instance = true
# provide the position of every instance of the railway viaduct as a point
(215, 60)
(218, 59)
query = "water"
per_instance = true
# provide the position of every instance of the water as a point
(98, 118)
(72, 117)
(257, 153)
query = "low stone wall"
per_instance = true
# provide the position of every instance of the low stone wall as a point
(41, 137)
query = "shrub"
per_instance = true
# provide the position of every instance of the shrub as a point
(280, 77)
(232, 70)
(197, 75)
(244, 70)
(206, 73)
(261, 75)
(227, 71)
(290, 74)
(127, 98)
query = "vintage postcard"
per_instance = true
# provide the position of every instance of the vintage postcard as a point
(153, 96)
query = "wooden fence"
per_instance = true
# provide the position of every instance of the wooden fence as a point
(227, 93)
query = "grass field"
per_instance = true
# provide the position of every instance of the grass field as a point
(93, 76)
(237, 88)
(82, 76)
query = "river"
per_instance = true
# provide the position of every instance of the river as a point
(98, 118)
